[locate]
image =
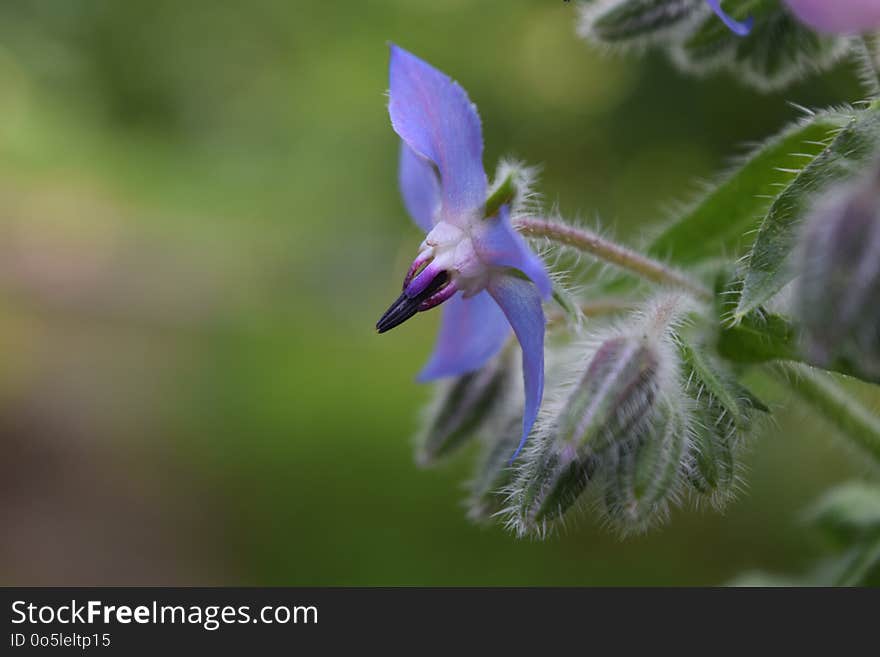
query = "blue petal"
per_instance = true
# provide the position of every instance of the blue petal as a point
(739, 29)
(419, 187)
(500, 245)
(522, 306)
(471, 332)
(435, 117)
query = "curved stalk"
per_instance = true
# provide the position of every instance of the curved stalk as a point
(612, 253)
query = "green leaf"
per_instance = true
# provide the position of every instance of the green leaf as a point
(720, 223)
(777, 51)
(758, 338)
(847, 511)
(768, 263)
(721, 410)
(630, 22)
(761, 337)
(826, 397)
(501, 195)
(724, 221)
(717, 383)
(858, 563)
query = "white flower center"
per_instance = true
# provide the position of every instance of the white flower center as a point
(454, 251)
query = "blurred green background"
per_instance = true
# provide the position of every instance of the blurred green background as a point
(200, 226)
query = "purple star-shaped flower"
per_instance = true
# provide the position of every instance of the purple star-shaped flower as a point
(479, 267)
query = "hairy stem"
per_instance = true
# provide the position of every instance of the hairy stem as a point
(607, 306)
(612, 253)
(599, 308)
(824, 395)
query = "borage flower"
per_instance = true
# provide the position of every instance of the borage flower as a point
(838, 16)
(478, 266)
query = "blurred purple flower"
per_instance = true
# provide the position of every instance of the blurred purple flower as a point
(479, 266)
(838, 16)
(737, 27)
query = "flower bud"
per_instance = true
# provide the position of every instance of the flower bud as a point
(645, 475)
(711, 468)
(494, 470)
(722, 413)
(614, 396)
(547, 487)
(612, 405)
(612, 400)
(635, 22)
(461, 408)
(838, 294)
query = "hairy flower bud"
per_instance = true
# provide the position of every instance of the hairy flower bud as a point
(614, 396)
(610, 407)
(712, 465)
(838, 296)
(633, 20)
(644, 476)
(612, 400)
(721, 414)
(494, 471)
(547, 487)
(461, 407)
